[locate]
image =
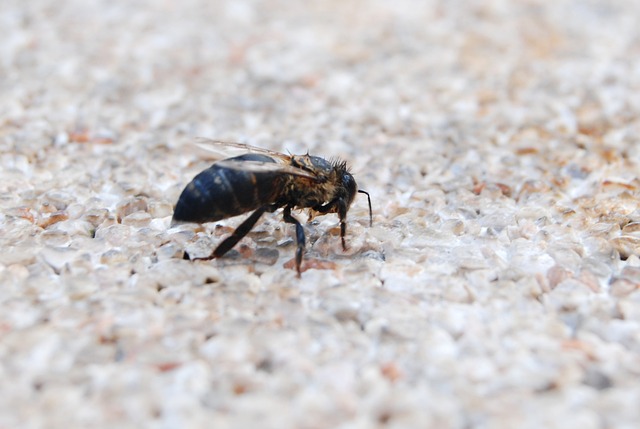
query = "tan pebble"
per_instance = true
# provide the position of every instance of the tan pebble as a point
(18, 271)
(631, 228)
(23, 255)
(58, 257)
(75, 210)
(556, 275)
(23, 213)
(96, 216)
(631, 273)
(160, 209)
(266, 255)
(590, 280)
(622, 287)
(55, 237)
(115, 234)
(58, 200)
(113, 256)
(52, 218)
(168, 251)
(132, 205)
(627, 245)
(629, 308)
(137, 219)
(311, 263)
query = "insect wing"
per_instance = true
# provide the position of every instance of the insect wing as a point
(228, 149)
(265, 167)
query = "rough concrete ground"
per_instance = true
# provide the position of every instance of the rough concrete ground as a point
(498, 287)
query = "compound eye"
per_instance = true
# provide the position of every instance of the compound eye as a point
(350, 186)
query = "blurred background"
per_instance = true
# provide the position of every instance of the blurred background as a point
(498, 140)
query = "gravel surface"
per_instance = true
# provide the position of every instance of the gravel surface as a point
(499, 286)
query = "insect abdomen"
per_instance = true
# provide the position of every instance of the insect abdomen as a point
(219, 193)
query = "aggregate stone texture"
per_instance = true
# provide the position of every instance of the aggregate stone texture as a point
(499, 286)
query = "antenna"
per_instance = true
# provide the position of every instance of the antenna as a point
(370, 211)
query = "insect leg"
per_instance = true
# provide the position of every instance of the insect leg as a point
(299, 236)
(240, 232)
(325, 208)
(342, 214)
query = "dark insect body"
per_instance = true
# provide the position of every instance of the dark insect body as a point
(264, 181)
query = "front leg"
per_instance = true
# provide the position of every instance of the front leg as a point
(336, 206)
(342, 214)
(300, 240)
(327, 208)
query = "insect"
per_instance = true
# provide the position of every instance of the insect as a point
(262, 181)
